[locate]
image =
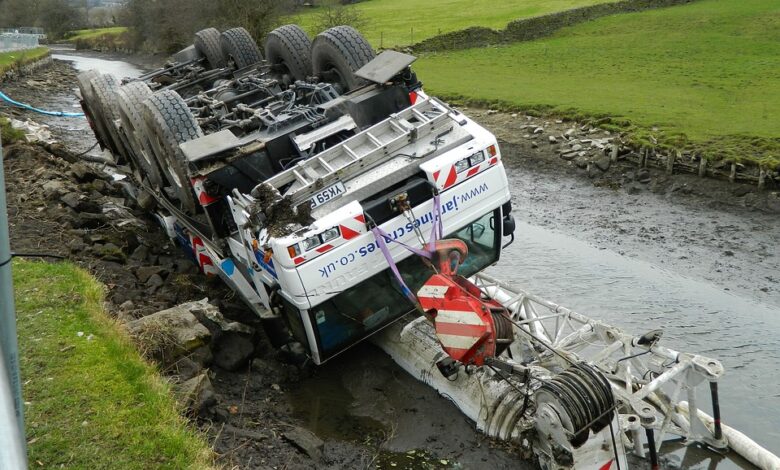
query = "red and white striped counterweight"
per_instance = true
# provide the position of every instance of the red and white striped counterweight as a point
(469, 326)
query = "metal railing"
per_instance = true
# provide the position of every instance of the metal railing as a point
(12, 444)
(18, 41)
(25, 30)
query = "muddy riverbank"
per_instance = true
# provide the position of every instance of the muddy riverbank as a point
(724, 233)
(681, 253)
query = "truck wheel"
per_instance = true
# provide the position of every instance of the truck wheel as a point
(207, 44)
(90, 106)
(131, 97)
(337, 53)
(169, 123)
(289, 47)
(239, 47)
(105, 87)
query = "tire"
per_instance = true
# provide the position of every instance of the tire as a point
(207, 44)
(105, 88)
(337, 53)
(168, 123)
(239, 47)
(131, 97)
(290, 47)
(89, 104)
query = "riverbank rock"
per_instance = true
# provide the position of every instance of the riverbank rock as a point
(306, 441)
(169, 334)
(233, 343)
(233, 351)
(773, 202)
(196, 395)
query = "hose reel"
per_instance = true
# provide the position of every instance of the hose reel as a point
(580, 399)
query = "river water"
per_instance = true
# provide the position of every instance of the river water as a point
(366, 391)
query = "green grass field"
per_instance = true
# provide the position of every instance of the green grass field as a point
(91, 401)
(709, 70)
(94, 33)
(392, 23)
(16, 58)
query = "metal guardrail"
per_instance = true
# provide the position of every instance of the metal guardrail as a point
(24, 30)
(18, 41)
(13, 454)
(12, 446)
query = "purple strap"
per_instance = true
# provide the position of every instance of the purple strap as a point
(386, 237)
(380, 239)
(437, 232)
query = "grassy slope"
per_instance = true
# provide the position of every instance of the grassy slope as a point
(9, 134)
(390, 22)
(93, 403)
(93, 33)
(17, 58)
(708, 69)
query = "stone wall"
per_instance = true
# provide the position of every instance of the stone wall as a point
(25, 69)
(533, 28)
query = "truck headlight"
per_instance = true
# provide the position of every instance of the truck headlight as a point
(311, 243)
(330, 234)
(462, 165)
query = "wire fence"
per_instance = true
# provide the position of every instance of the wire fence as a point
(24, 30)
(18, 41)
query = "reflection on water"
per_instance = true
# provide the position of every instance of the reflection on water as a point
(114, 67)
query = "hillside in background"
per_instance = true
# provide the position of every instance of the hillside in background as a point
(703, 74)
(391, 23)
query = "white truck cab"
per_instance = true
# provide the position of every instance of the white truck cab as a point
(334, 283)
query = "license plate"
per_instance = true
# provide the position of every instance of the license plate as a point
(328, 194)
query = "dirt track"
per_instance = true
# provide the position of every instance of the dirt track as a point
(690, 225)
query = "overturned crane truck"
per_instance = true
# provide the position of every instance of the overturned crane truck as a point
(342, 203)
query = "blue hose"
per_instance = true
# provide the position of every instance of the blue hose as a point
(5, 97)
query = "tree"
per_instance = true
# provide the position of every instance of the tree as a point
(101, 17)
(58, 17)
(15, 13)
(169, 25)
(335, 13)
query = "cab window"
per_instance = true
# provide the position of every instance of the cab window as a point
(376, 302)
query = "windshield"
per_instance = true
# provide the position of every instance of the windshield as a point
(363, 309)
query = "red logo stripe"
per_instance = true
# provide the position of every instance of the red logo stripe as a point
(451, 178)
(348, 233)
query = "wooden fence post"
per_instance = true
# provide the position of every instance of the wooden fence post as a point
(670, 161)
(615, 150)
(761, 177)
(733, 174)
(702, 167)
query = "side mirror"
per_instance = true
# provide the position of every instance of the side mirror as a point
(508, 228)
